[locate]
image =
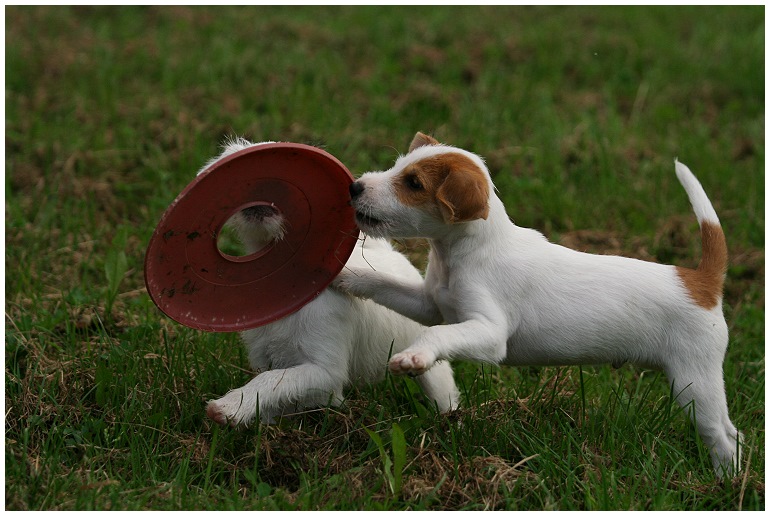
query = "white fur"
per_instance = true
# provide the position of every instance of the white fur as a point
(701, 205)
(306, 359)
(507, 295)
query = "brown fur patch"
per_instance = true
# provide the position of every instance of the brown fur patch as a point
(705, 283)
(450, 184)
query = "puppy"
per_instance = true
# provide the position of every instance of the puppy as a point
(305, 360)
(509, 296)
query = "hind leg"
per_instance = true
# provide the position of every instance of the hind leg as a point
(700, 390)
(274, 393)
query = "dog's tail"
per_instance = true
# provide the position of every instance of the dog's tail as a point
(706, 282)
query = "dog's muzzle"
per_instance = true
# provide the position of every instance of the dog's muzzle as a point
(355, 189)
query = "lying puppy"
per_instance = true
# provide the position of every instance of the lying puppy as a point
(306, 359)
(509, 296)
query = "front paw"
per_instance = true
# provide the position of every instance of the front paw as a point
(351, 281)
(217, 413)
(232, 409)
(412, 363)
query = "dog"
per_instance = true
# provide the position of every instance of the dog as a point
(306, 359)
(507, 295)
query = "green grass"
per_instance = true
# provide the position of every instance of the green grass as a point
(579, 112)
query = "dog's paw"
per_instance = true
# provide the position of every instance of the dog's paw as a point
(351, 281)
(340, 282)
(231, 410)
(216, 413)
(412, 363)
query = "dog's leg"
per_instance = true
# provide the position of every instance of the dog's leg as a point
(481, 340)
(701, 391)
(438, 385)
(406, 298)
(273, 392)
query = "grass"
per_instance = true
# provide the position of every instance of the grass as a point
(579, 113)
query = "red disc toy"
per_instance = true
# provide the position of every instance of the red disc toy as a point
(196, 284)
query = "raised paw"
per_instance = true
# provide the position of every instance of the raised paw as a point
(351, 281)
(341, 281)
(412, 363)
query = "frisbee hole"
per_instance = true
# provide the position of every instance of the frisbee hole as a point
(242, 238)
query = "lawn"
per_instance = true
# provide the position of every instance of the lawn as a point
(579, 113)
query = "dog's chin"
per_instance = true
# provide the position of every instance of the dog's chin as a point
(371, 225)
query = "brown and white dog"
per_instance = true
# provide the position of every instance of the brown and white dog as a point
(308, 358)
(507, 295)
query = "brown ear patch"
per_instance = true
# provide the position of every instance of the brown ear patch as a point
(464, 195)
(704, 284)
(450, 184)
(420, 140)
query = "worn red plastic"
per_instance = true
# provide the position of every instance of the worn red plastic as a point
(197, 285)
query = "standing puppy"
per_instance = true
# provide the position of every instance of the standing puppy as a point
(306, 359)
(507, 295)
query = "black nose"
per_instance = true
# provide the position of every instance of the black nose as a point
(259, 212)
(356, 189)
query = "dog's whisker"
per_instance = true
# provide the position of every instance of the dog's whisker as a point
(351, 270)
(362, 253)
(359, 238)
(398, 153)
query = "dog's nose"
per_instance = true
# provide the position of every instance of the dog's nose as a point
(356, 189)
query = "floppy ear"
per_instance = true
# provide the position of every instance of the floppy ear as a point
(421, 139)
(464, 195)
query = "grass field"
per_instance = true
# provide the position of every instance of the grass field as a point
(579, 113)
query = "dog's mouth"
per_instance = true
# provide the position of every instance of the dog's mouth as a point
(368, 221)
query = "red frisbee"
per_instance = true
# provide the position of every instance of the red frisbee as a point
(197, 285)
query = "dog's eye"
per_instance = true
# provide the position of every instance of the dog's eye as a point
(413, 182)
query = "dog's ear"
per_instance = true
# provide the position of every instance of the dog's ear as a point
(464, 194)
(421, 139)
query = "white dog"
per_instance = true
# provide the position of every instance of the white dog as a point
(509, 296)
(305, 360)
